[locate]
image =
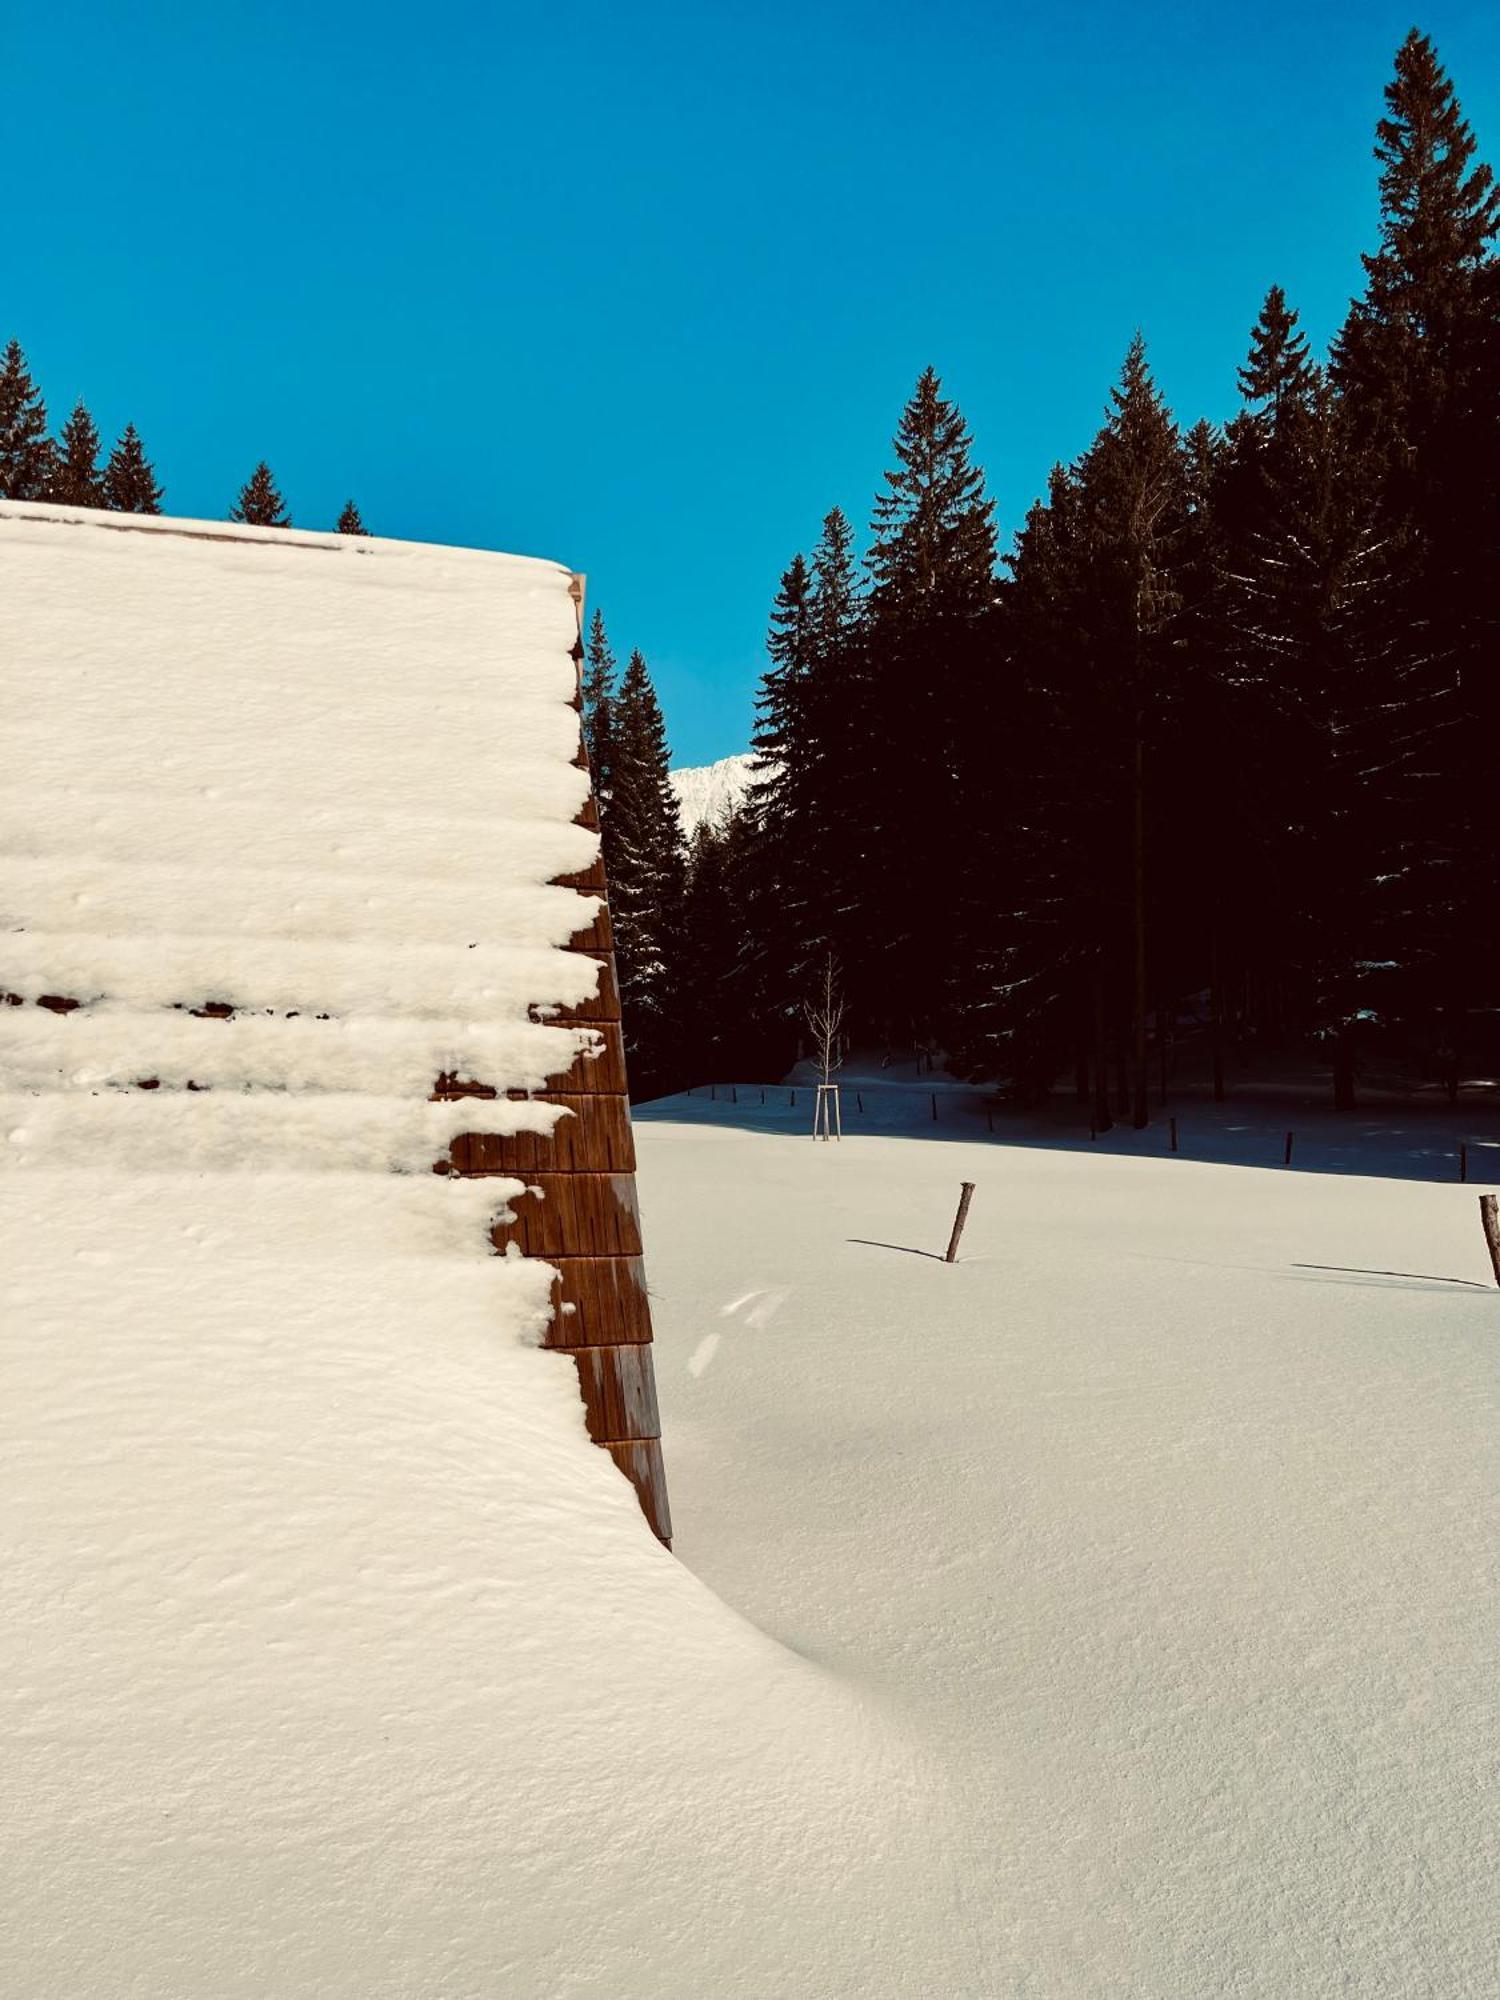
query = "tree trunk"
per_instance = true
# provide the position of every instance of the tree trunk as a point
(1140, 1114)
(1103, 1119)
(1216, 1001)
(1343, 1071)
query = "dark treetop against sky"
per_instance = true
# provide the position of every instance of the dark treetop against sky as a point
(644, 288)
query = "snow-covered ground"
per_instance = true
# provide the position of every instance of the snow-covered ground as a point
(708, 791)
(339, 1665)
(1171, 1549)
(1110, 1613)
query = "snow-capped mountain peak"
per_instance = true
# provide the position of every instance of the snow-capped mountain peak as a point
(707, 791)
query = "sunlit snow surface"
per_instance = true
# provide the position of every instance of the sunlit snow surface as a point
(1176, 1550)
(336, 1663)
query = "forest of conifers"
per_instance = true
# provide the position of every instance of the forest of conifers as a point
(1216, 738)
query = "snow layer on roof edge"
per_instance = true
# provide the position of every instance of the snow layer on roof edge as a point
(336, 790)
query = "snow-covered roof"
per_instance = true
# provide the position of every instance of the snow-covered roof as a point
(291, 833)
(325, 782)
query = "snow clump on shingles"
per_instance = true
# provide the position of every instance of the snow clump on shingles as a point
(324, 782)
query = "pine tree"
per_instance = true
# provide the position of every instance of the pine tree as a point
(598, 709)
(928, 722)
(259, 504)
(718, 1035)
(1093, 624)
(129, 480)
(76, 480)
(349, 521)
(1418, 363)
(1278, 369)
(777, 740)
(26, 452)
(644, 856)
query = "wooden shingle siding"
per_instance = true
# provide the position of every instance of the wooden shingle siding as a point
(593, 1136)
(579, 1210)
(579, 1215)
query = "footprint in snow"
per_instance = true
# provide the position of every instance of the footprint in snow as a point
(764, 1306)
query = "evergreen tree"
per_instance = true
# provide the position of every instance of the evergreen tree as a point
(26, 452)
(129, 480)
(1419, 365)
(718, 1036)
(928, 723)
(76, 480)
(259, 504)
(645, 858)
(598, 709)
(1317, 589)
(1278, 369)
(349, 521)
(778, 738)
(1093, 620)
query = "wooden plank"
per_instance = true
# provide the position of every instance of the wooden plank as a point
(596, 936)
(601, 1073)
(618, 1385)
(599, 1302)
(596, 1137)
(580, 1215)
(603, 1005)
(642, 1466)
(591, 879)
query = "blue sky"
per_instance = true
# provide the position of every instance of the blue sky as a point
(644, 289)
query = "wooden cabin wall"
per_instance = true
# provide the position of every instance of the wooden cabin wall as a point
(583, 1218)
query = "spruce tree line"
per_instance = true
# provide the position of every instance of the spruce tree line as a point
(644, 855)
(66, 469)
(1215, 740)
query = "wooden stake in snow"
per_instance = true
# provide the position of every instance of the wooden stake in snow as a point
(824, 1016)
(828, 1112)
(1463, 1161)
(934, 1107)
(963, 1215)
(1490, 1221)
(1174, 1135)
(1286, 1157)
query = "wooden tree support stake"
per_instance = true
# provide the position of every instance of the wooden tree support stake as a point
(963, 1215)
(1490, 1221)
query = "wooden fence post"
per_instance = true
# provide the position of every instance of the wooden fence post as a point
(966, 1196)
(1490, 1223)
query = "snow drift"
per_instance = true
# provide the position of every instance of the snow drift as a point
(337, 1661)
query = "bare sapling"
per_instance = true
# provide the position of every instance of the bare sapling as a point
(824, 1015)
